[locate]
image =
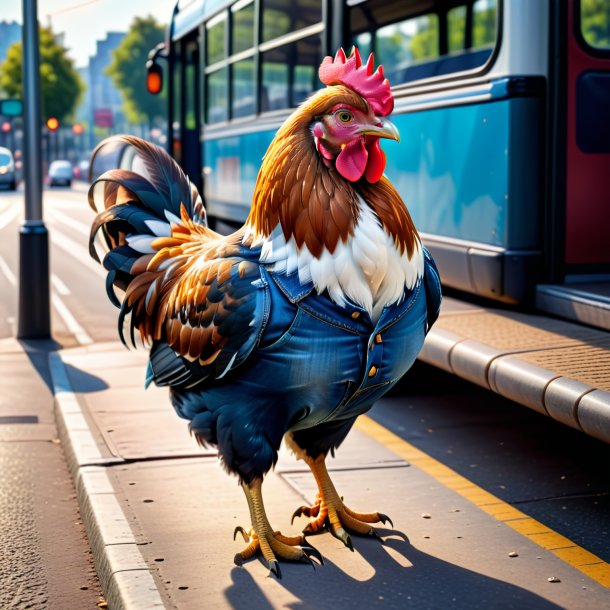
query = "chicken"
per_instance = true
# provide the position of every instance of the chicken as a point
(294, 325)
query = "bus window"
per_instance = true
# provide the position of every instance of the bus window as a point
(215, 39)
(364, 42)
(449, 37)
(286, 16)
(484, 24)
(595, 23)
(242, 27)
(290, 73)
(275, 79)
(191, 67)
(401, 44)
(244, 88)
(216, 98)
(306, 60)
(456, 26)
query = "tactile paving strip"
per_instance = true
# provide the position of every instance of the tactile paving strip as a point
(515, 332)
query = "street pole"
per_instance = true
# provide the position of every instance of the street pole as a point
(34, 308)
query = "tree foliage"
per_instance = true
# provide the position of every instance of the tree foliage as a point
(595, 22)
(128, 70)
(60, 85)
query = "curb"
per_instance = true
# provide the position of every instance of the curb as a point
(126, 580)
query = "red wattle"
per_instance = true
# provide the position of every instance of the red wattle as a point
(352, 160)
(376, 162)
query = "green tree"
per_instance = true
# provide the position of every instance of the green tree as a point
(60, 85)
(128, 70)
(595, 22)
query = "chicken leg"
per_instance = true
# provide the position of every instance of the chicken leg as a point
(330, 510)
(261, 537)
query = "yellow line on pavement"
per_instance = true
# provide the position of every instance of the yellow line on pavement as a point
(559, 545)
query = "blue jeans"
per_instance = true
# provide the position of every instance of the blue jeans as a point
(315, 362)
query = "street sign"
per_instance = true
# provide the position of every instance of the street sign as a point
(11, 107)
(102, 117)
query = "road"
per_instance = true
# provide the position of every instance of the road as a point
(553, 474)
(46, 560)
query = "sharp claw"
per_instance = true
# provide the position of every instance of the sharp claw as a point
(308, 529)
(348, 543)
(274, 566)
(297, 513)
(306, 559)
(242, 531)
(238, 560)
(383, 518)
(344, 537)
(312, 551)
(375, 534)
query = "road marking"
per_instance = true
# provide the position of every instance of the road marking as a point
(563, 548)
(59, 286)
(9, 215)
(10, 276)
(81, 227)
(77, 251)
(70, 321)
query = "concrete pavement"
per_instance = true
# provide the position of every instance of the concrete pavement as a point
(45, 558)
(160, 513)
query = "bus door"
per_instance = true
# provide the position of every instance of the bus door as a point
(587, 126)
(186, 125)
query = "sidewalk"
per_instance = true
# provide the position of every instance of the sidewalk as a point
(160, 514)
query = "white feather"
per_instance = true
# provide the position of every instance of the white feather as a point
(172, 218)
(159, 228)
(368, 269)
(141, 243)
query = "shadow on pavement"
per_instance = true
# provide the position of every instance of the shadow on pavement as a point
(403, 577)
(83, 382)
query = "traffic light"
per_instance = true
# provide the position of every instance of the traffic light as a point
(154, 78)
(154, 72)
(52, 124)
(77, 129)
(6, 127)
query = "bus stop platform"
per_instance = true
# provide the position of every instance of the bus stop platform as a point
(555, 367)
(160, 513)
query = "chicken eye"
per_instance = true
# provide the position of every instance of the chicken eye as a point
(344, 116)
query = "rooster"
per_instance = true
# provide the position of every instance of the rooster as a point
(294, 325)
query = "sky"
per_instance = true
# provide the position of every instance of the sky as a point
(85, 21)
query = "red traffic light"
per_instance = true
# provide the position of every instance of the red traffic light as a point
(52, 124)
(6, 127)
(77, 129)
(154, 79)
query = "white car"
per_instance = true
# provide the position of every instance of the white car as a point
(7, 169)
(60, 172)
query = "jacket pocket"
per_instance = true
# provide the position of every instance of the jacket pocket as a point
(270, 342)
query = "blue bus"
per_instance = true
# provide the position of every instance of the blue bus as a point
(504, 162)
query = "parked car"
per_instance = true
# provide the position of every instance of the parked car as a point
(81, 170)
(7, 169)
(60, 172)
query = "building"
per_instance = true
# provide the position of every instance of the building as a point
(101, 95)
(10, 32)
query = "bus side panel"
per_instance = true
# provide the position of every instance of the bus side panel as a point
(232, 165)
(471, 172)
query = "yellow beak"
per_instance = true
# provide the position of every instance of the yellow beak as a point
(387, 129)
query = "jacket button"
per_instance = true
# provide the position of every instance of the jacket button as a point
(372, 371)
(378, 338)
(355, 315)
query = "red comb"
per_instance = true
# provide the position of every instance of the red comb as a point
(373, 86)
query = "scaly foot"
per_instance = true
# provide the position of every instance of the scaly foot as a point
(271, 545)
(330, 511)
